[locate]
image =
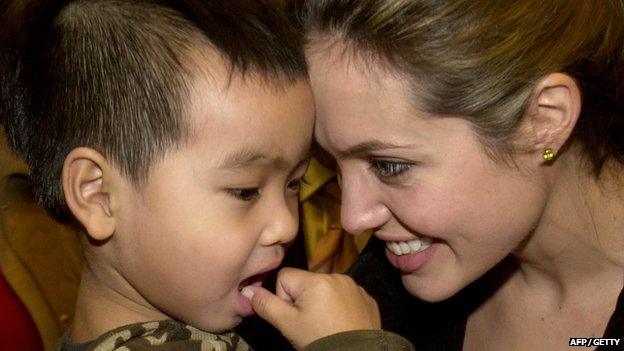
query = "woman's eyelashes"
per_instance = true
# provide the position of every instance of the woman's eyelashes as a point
(387, 169)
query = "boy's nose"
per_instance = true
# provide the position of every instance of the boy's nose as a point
(282, 224)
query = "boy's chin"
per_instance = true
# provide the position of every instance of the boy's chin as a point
(225, 324)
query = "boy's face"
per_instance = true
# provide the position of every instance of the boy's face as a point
(216, 213)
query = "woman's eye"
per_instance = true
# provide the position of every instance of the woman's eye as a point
(388, 169)
(246, 194)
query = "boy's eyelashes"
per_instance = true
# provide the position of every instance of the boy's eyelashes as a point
(245, 194)
(295, 184)
(304, 180)
(252, 193)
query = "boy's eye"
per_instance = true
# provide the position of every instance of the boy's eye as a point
(246, 194)
(389, 169)
(295, 184)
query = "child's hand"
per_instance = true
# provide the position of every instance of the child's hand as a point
(309, 306)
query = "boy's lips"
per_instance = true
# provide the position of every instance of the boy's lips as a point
(257, 278)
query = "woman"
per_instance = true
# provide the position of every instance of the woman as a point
(483, 139)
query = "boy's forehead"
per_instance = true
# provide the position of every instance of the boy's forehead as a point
(248, 156)
(246, 120)
(243, 101)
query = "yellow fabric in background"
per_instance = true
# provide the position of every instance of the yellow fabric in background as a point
(329, 248)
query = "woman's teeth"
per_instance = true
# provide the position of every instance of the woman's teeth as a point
(407, 247)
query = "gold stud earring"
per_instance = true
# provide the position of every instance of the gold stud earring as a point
(548, 154)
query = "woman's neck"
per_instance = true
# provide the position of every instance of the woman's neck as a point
(566, 278)
(580, 237)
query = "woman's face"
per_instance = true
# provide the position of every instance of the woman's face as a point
(416, 180)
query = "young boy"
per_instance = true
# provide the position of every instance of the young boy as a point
(175, 134)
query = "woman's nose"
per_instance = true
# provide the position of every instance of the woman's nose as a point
(360, 208)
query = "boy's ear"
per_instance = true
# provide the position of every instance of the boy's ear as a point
(554, 109)
(85, 178)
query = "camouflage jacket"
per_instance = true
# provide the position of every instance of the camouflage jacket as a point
(167, 335)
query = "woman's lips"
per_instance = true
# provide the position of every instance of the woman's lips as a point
(408, 252)
(410, 246)
(412, 261)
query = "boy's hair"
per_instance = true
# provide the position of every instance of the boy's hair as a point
(114, 75)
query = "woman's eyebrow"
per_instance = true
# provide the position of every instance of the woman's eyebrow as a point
(369, 146)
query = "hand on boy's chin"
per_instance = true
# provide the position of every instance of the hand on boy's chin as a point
(309, 306)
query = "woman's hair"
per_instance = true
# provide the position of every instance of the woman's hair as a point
(480, 59)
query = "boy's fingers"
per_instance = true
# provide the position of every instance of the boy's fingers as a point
(268, 306)
(282, 293)
(291, 282)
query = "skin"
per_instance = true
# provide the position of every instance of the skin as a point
(215, 211)
(406, 174)
(427, 179)
(304, 300)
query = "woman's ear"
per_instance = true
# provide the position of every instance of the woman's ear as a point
(554, 109)
(85, 177)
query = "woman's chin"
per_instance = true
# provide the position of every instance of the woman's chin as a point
(435, 291)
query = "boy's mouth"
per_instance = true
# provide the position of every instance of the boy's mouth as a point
(255, 280)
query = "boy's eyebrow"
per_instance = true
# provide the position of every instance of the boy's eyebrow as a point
(248, 156)
(305, 159)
